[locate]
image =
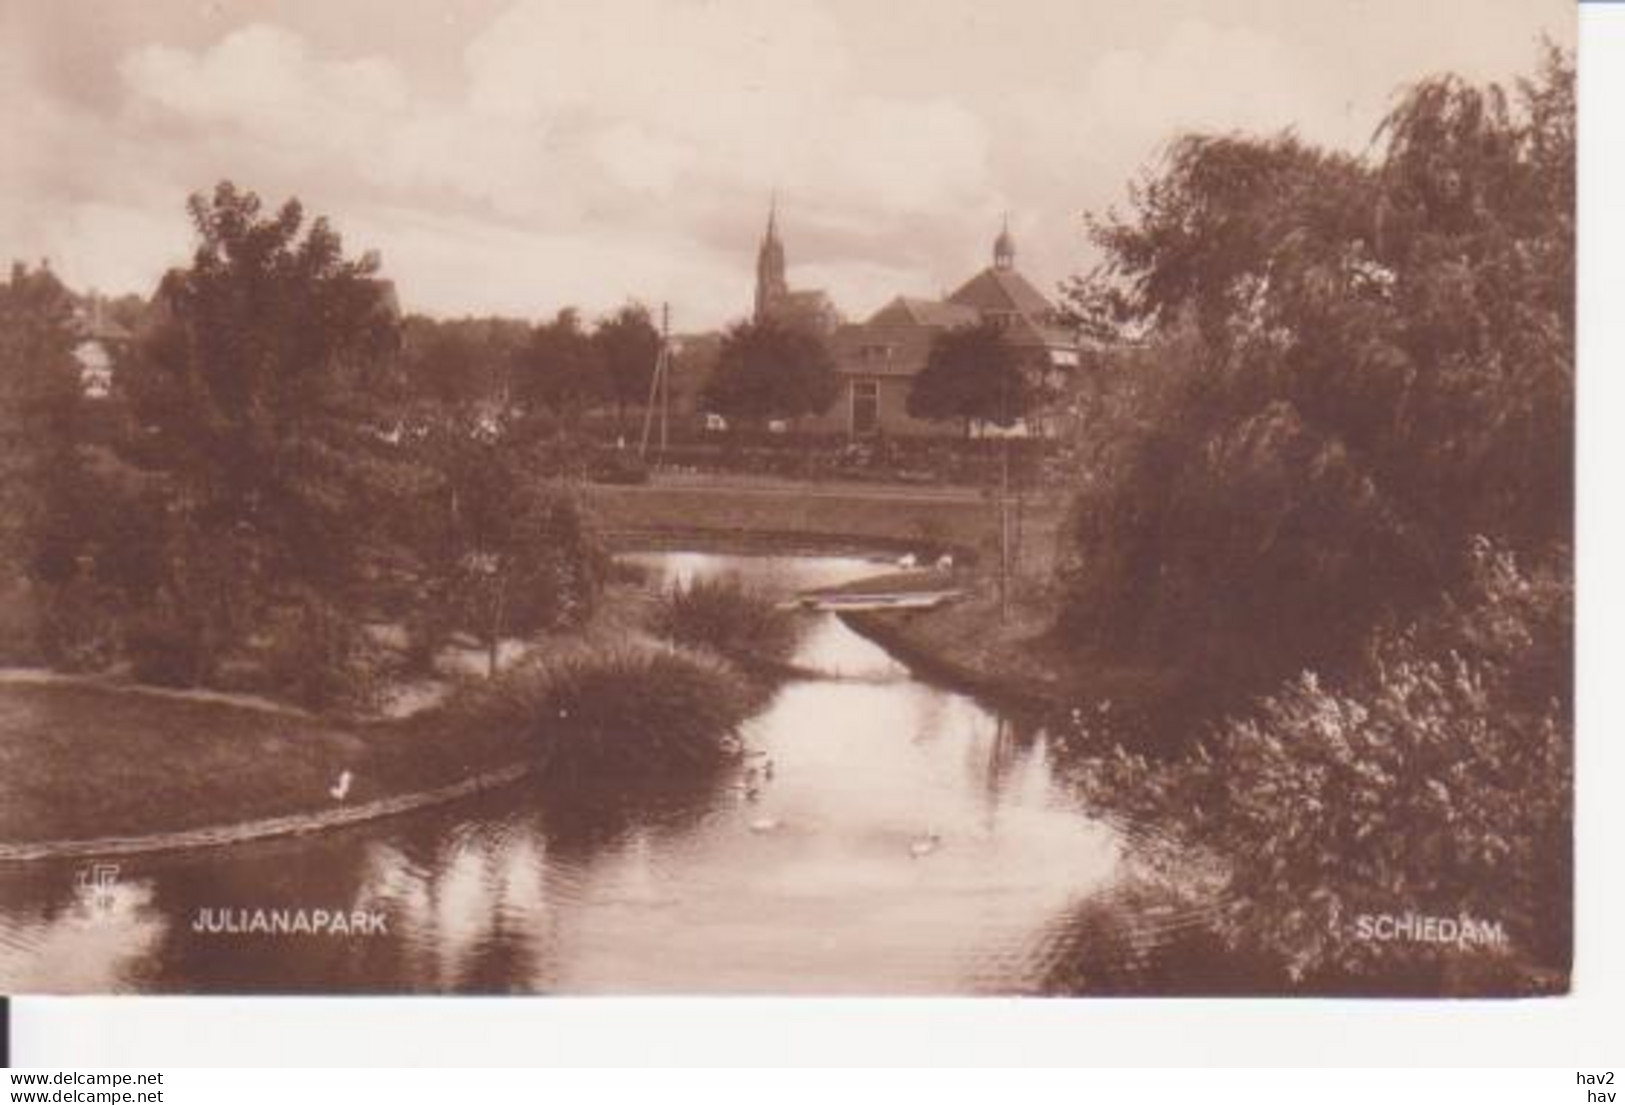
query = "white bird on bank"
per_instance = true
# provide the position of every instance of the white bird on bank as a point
(925, 845)
(341, 789)
(945, 562)
(908, 561)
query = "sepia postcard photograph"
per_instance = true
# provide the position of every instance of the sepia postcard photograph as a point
(1058, 498)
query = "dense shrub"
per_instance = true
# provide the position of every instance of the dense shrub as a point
(615, 713)
(19, 622)
(77, 625)
(320, 657)
(618, 466)
(165, 648)
(724, 615)
(1437, 781)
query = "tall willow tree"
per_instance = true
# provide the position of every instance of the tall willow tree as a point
(1343, 442)
(1362, 363)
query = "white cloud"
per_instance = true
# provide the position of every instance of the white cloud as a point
(452, 263)
(642, 161)
(264, 80)
(583, 152)
(619, 122)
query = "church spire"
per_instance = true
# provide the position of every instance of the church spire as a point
(770, 282)
(1004, 247)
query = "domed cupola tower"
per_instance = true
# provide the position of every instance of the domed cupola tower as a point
(1004, 248)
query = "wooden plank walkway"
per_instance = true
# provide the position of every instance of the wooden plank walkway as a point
(921, 589)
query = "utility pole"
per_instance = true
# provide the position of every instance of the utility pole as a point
(665, 375)
(659, 389)
(1004, 500)
(1004, 526)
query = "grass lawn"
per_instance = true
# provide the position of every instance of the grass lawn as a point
(886, 518)
(80, 761)
(1015, 659)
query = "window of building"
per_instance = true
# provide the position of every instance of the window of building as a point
(865, 406)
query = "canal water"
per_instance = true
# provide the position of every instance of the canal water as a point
(891, 837)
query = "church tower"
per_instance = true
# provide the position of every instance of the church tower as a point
(770, 283)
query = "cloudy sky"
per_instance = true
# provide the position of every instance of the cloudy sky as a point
(516, 156)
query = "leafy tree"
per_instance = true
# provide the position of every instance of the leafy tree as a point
(41, 411)
(1353, 367)
(766, 370)
(973, 374)
(70, 523)
(559, 370)
(458, 362)
(503, 550)
(256, 398)
(628, 345)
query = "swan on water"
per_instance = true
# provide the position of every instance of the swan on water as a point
(764, 824)
(925, 845)
(341, 789)
(908, 560)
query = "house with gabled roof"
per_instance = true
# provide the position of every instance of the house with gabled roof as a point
(98, 340)
(877, 359)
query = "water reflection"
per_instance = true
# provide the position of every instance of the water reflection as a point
(811, 880)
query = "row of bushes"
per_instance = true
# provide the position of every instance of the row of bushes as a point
(934, 460)
(620, 712)
(633, 710)
(723, 615)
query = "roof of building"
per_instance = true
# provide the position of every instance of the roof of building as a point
(91, 322)
(1026, 332)
(803, 308)
(804, 298)
(1002, 289)
(865, 350)
(907, 310)
(105, 330)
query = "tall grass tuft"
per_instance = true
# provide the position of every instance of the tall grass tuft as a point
(725, 616)
(616, 713)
